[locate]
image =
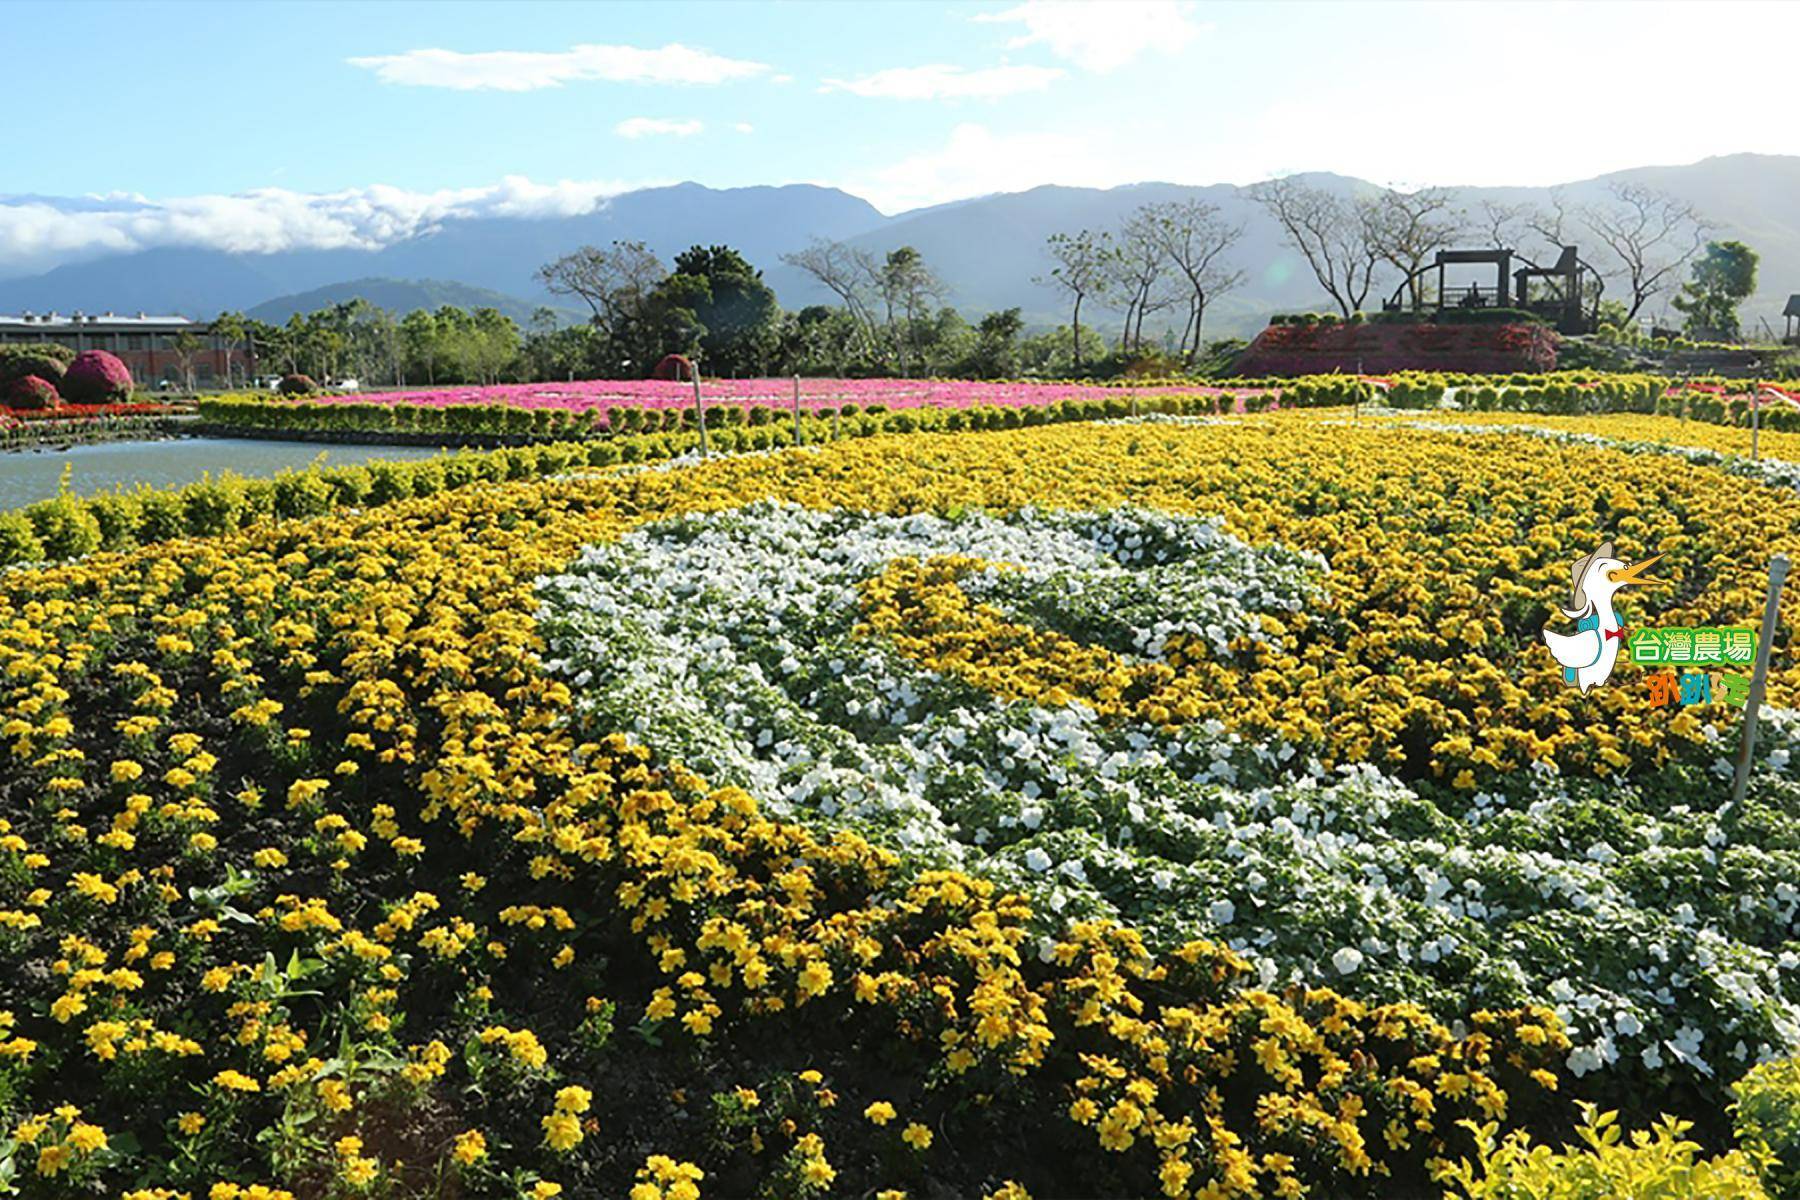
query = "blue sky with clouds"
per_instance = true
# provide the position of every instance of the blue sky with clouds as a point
(268, 122)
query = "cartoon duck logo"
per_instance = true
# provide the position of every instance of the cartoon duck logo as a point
(1587, 655)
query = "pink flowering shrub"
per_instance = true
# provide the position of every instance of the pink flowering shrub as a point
(33, 392)
(96, 377)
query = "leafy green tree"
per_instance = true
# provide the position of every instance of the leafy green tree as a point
(996, 353)
(419, 346)
(493, 344)
(737, 312)
(1723, 277)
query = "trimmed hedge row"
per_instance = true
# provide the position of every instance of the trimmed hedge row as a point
(69, 526)
(1577, 392)
(559, 424)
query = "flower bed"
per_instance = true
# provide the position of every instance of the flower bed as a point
(545, 411)
(589, 394)
(360, 852)
(1355, 347)
(88, 412)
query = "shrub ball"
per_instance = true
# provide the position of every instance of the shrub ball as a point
(33, 392)
(96, 377)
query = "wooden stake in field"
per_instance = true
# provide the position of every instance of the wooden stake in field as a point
(1759, 682)
(797, 438)
(700, 415)
(1755, 421)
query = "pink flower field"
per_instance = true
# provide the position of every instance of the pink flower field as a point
(585, 395)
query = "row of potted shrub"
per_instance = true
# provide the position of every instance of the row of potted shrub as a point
(1715, 401)
(504, 420)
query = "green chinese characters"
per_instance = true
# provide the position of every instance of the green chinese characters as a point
(1681, 645)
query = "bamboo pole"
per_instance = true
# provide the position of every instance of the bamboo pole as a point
(1759, 682)
(700, 415)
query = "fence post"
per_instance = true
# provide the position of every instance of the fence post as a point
(700, 415)
(1759, 682)
(1755, 420)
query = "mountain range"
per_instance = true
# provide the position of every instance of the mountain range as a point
(989, 250)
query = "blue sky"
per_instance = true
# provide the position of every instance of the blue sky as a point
(385, 114)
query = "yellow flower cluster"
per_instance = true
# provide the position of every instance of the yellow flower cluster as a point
(403, 638)
(920, 610)
(663, 1178)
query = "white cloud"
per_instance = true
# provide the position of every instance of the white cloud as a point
(781, 79)
(1101, 37)
(976, 162)
(942, 82)
(38, 235)
(529, 70)
(744, 127)
(641, 127)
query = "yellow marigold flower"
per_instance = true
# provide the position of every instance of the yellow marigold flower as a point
(815, 978)
(469, 1148)
(84, 1138)
(916, 1136)
(573, 1099)
(360, 1172)
(562, 1132)
(543, 1189)
(52, 1159)
(334, 1094)
(237, 1081)
(880, 1112)
(190, 1123)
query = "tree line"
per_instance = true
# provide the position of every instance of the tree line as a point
(1158, 273)
(1176, 257)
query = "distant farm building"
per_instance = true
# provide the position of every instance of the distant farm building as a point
(1792, 313)
(146, 344)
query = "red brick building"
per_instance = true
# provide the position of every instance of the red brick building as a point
(146, 344)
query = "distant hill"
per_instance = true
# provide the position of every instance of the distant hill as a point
(988, 249)
(496, 253)
(399, 296)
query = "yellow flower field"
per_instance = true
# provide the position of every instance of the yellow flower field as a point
(318, 878)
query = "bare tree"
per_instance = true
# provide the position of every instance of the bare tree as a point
(908, 285)
(1552, 221)
(1501, 224)
(1329, 235)
(849, 272)
(1403, 229)
(1195, 239)
(614, 283)
(1651, 236)
(1140, 271)
(187, 346)
(1083, 270)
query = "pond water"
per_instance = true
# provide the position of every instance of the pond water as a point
(30, 475)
